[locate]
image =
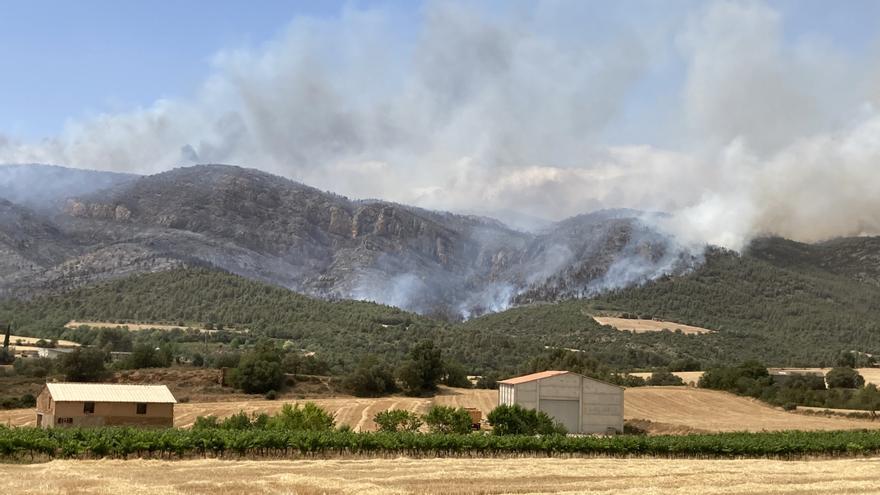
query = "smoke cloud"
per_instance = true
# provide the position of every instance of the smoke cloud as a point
(522, 112)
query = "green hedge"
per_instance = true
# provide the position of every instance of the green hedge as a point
(33, 443)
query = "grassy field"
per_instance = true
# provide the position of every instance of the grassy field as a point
(642, 326)
(447, 476)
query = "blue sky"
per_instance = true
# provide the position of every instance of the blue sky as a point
(63, 60)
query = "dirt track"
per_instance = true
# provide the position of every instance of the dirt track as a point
(448, 476)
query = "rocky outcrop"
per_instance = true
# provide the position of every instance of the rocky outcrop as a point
(276, 230)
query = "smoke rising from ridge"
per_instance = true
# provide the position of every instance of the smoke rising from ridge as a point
(521, 111)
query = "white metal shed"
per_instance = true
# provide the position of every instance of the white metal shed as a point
(581, 404)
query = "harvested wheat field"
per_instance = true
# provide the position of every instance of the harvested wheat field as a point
(687, 377)
(714, 411)
(642, 326)
(447, 476)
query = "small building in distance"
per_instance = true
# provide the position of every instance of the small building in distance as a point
(104, 404)
(581, 404)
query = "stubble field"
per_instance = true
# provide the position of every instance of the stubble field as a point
(447, 476)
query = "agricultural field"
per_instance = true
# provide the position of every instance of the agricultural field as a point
(642, 326)
(447, 476)
(688, 377)
(133, 326)
(660, 410)
(30, 341)
(715, 411)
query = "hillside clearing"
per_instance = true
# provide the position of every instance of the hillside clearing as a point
(29, 341)
(134, 327)
(442, 476)
(687, 377)
(642, 326)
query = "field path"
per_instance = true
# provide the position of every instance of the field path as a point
(448, 476)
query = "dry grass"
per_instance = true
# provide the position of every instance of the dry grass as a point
(447, 476)
(642, 326)
(711, 410)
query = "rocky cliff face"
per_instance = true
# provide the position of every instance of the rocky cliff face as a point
(276, 230)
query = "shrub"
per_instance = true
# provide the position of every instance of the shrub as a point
(456, 375)
(271, 395)
(664, 377)
(147, 356)
(395, 420)
(489, 381)
(259, 371)
(844, 377)
(447, 420)
(83, 365)
(36, 367)
(371, 378)
(517, 420)
(423, 370)
(309, 417)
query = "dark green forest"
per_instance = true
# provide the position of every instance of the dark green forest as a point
(778, 303)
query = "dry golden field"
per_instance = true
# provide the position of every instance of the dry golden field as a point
(33, 340)
(714, 411)
(130, 326)
(688, 377)
(642, 326)
(447, 476)
(669, 409)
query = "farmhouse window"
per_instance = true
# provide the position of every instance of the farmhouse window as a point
(142, 408)
(62, 421)
(89, 407)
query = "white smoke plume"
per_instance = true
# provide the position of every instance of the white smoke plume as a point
(491, 112)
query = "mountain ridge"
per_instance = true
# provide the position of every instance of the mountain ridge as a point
(280, 231)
